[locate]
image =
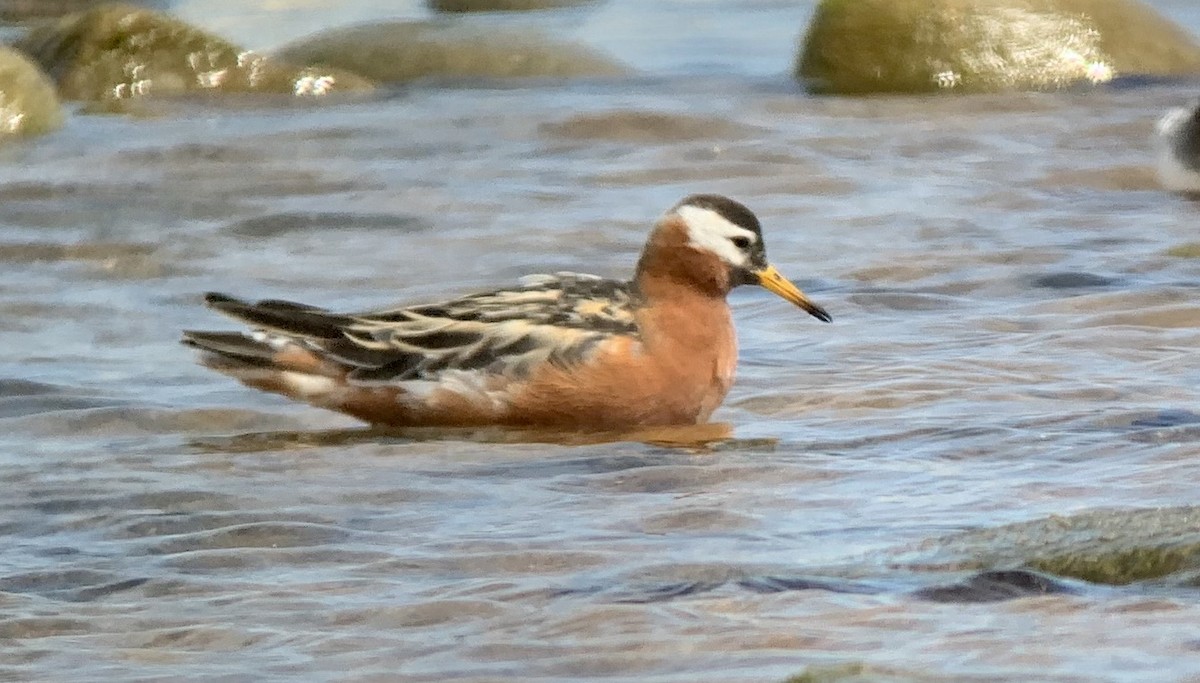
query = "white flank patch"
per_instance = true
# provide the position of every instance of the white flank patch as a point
(275, 341)
(710, 231)
(1174, 174)
(308, 386)
(468, 384)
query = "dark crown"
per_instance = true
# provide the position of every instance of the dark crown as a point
(732, 211)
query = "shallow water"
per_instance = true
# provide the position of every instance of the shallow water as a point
(1010, 379)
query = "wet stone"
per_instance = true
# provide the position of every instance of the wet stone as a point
(1112, 547)
(915, 46)
(646, 127)
(119, 51)
(995, 586)
(406, 51)
(17, 11)
(28, 102)
(500, 5)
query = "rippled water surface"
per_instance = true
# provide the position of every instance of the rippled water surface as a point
(982, 471)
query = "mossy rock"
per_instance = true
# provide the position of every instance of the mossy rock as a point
(1120, 566)
(28, 102)
(406, 51)
(499, 5)
(1113, 547)
(921, 46)
(120, 51)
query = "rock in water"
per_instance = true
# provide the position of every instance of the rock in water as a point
(920, 46)
(1178, 143)
(499, 5)
(119, 51)
(28, 103)
(18, 11)
(405, 51)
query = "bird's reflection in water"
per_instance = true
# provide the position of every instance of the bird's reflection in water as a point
(707, 437)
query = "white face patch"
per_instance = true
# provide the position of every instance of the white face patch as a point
(1169, 124)
(308, 386)
(710, 231)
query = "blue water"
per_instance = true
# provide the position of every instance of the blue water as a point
(1013, 355)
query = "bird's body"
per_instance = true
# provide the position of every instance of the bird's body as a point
(1178, 143)
(564, 350)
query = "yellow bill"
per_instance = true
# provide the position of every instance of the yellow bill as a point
(772, 281)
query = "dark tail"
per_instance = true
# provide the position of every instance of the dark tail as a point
(281, 316)
(231, 347)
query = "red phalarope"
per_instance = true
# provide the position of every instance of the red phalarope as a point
(564, 350)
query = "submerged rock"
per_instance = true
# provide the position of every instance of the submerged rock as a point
(996, 585)
(647, 127)
(405, 51)
(119, 51)
(28, 103)
(858, 672)
(917, 46)
(1185, 250)
(499, 5)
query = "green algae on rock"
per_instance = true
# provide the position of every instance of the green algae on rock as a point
(921, 46)
(1113, 547)
(500, 5)
(28, 103)
(406, 51)
(119, 51)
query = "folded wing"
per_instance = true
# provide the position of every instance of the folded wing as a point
(560, 319)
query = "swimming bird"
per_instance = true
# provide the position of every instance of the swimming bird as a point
(555, 351)
(1178, 143)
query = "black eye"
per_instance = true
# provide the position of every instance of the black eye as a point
(740, 242)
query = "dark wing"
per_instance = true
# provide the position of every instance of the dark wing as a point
(557, 318)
